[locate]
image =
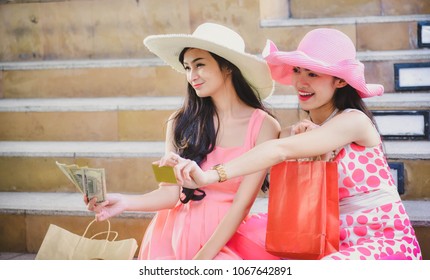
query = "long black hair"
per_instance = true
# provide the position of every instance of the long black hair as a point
(348, 97)
(194, 129)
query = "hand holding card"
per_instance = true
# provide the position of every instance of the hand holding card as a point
(164, 174)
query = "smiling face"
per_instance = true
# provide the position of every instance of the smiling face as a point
(315, 90)
(203, 72)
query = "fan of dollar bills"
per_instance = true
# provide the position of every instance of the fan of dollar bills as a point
(89, 181)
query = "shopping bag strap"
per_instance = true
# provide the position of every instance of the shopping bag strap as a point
(333, 155)
(107, 237)
(108, 234)
(89, 225)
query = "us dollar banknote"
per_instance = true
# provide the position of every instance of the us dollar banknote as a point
(89, 181)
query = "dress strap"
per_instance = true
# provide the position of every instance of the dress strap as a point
(254, 126)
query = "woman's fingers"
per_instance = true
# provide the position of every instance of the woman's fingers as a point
(96, 207)
(178, 170)
(183, 168)
(303, 126)
(91, 203)
(102, 216)
(188, 169)
(170, 159)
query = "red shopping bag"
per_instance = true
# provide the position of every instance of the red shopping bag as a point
(303, 213)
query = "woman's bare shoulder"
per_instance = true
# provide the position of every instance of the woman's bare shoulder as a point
(272, 123)
(270, 129)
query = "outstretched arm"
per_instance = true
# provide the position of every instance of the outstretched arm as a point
(165, 197)
(341, 130)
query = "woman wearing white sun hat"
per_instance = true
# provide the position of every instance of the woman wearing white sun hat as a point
(330, 84)
(222, 117)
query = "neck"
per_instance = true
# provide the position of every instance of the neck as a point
(326, 119)
(227, 102)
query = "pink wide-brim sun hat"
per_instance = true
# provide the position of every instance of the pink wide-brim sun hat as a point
(323, 50)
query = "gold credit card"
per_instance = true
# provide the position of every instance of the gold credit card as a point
(164, 174)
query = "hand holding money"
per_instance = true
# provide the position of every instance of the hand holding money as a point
(89, 181)
(114, 205)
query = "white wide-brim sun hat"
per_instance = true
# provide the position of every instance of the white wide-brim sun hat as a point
(221, 41)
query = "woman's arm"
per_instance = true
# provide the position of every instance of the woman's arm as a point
(240, 208)
(165, 197)
(243, 200)
(341, 130)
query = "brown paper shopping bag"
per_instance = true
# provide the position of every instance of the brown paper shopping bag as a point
(61, 244)
(303, 213)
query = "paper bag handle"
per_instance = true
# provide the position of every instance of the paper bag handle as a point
(319, 158)
(89, 225)
(108, 234)
(107, 237)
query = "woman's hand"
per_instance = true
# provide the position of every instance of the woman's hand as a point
(303, 126)
(188, 173)
(170, 159)
(112, 206)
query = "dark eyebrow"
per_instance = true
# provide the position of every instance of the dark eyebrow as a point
(304, 69)
(195, 60)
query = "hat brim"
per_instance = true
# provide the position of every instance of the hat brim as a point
(254, 69)
(281, 65)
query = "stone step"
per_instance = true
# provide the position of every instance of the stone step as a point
(339, 20)
(395, 101)
(137, 118)
(30, 166)
(17, 256)
(29, 214)
(294, 9)
(117, 28)
(147, 76)
(91, 78)
(400, 32)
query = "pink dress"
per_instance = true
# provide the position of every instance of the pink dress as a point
(373, 221)
(179, 233)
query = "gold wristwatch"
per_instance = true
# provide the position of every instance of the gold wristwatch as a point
(221, 172)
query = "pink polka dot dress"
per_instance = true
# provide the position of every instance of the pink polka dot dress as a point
(373, 220)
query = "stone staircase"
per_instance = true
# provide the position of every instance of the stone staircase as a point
(78, 86)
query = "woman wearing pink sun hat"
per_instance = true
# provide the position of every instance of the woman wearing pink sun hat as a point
(326, 51)
(331, 86)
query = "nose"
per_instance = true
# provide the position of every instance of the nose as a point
(193, 75)
(299, 80)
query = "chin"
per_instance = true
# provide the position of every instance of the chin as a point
(202, 95)
(305, 107)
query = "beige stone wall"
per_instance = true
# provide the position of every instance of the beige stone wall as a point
(387, 36)
(86, 29)
(334, 8)
(100, 29)
(274, 9)
(401, 7)
(111, 28)
(350, 8)
(40, 174)
(93, 82)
